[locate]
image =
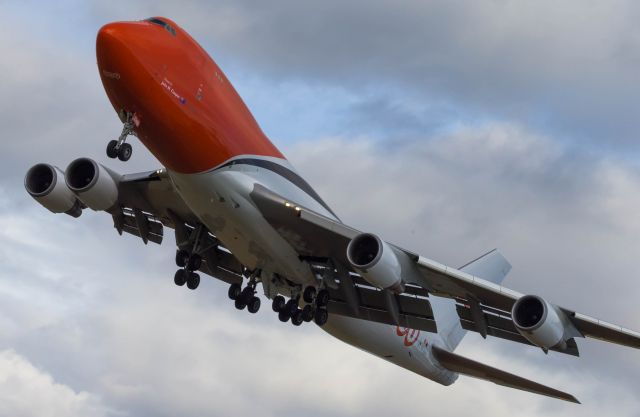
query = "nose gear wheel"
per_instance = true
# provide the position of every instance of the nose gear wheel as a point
(119, 148)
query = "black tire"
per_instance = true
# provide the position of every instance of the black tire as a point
(181, 258)
(321, 317)
(254, 305)
(307, 313)
(278, 303)
(234, 291)
(193, 281)
(112, 152)
(322, 299)
(284, 316)
(309, 294)
(246, 294)
(291, 306)
(194, 263)
(125, 151)
(239, 304)
(180, 277)
(296, 318)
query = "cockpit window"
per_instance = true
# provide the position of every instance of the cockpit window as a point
(162, 23)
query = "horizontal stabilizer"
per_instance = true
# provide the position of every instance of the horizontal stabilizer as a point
(492, 266)
(465, 366)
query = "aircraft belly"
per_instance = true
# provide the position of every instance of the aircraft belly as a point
(407, 348)
(221, 201)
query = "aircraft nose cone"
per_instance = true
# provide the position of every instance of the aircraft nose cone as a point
(120, 62)
(109, 43)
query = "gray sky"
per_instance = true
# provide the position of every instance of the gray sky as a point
(447, 127)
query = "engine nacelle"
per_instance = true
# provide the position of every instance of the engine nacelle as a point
(45, 183)
(538, 321)
(92, 183)
(375, 261)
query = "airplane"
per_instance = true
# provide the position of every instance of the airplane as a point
(242, 214)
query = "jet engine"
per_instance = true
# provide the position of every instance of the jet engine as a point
(538, 321)
(45, 183)
(94, 185)
(376, 262)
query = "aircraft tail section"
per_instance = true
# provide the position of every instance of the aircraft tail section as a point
(492, 266)
(465, 366)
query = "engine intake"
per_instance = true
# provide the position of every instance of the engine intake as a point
(92, 183)
(44, 183)
(376, 261)
(538, 321)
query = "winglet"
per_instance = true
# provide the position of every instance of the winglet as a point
(465, 366)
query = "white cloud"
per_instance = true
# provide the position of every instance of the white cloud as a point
(26, 391)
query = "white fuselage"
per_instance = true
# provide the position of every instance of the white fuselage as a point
(221, 200)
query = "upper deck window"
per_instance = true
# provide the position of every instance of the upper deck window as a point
(162, 23)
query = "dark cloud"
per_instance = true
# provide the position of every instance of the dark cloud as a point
(569, 68)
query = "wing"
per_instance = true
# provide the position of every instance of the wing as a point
(147, 202)
(483, 306)
(322, 245)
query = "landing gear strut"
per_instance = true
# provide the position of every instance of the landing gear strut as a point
(246, 297)
(188, 264)
(119, 148)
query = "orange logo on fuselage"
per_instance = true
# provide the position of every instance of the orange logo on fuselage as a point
(410, 335)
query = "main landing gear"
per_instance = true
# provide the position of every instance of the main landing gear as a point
(245, 298)
(119, 148)
(188, 263)
(315, 308)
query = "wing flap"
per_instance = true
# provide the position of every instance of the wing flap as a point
(126, 221)
(372, 304)
(468, 367)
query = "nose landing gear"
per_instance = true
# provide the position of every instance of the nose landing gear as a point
(119, 148)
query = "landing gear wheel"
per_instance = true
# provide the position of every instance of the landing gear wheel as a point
(181, 258)
(180, 277)
(194, 263)
(193, 281)
(296, 318)
(278, 303)
(291, 306)
(321, 316)
(112, 152)
(254, 305)
(246, 295)
(307, 313)
(308, 294)
(322, 299)
(125, 151)
(239, 304)
(234, 291)
(284, 316)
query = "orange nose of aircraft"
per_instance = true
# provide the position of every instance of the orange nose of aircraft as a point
(121, 48)
(132, 60)
(185, 110)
